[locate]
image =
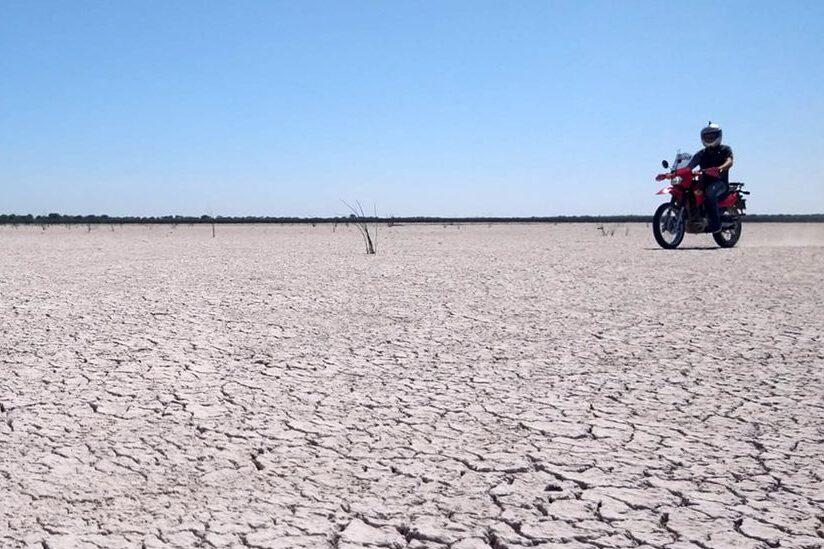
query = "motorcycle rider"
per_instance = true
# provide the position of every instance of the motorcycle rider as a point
(716, 159)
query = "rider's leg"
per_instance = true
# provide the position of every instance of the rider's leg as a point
(712, 193)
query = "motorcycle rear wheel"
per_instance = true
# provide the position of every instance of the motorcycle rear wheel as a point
(728, 238)
(668, 225)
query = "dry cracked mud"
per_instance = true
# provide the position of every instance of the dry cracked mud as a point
(470, 387)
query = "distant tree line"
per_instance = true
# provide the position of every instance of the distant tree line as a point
(63, 219)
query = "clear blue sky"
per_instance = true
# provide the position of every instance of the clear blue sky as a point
(440, 108)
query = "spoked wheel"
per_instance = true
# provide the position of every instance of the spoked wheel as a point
(730, 232)
(668, 225)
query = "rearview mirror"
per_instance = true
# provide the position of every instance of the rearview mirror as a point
(665, 164)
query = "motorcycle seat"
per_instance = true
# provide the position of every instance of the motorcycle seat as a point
(733, 187)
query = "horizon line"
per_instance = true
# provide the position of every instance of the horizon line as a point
(69, 219)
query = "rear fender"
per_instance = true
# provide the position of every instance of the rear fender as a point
(728, 201)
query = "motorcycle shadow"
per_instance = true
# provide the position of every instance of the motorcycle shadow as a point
(686, 248)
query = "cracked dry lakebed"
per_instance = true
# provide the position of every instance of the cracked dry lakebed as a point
(470, 387)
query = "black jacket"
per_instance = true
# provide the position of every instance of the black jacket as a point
(712, 157)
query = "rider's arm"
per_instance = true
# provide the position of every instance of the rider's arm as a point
(696, 160)
(726, 165)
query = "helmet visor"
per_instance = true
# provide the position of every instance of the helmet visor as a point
(710, 136)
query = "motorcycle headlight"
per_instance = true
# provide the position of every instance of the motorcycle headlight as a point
(677, 180)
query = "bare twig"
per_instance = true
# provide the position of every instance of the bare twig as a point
(362, 224)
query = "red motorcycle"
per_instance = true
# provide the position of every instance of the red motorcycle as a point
(686, 213)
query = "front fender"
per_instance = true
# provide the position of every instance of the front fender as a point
(665, 190)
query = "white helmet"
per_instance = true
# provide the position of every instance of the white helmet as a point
(711, 135)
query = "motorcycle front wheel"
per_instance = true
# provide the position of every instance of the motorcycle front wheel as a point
(729, 235)
(668, 225)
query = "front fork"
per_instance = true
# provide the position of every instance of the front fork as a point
(672, 223)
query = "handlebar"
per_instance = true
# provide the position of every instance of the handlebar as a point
(712, 172)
